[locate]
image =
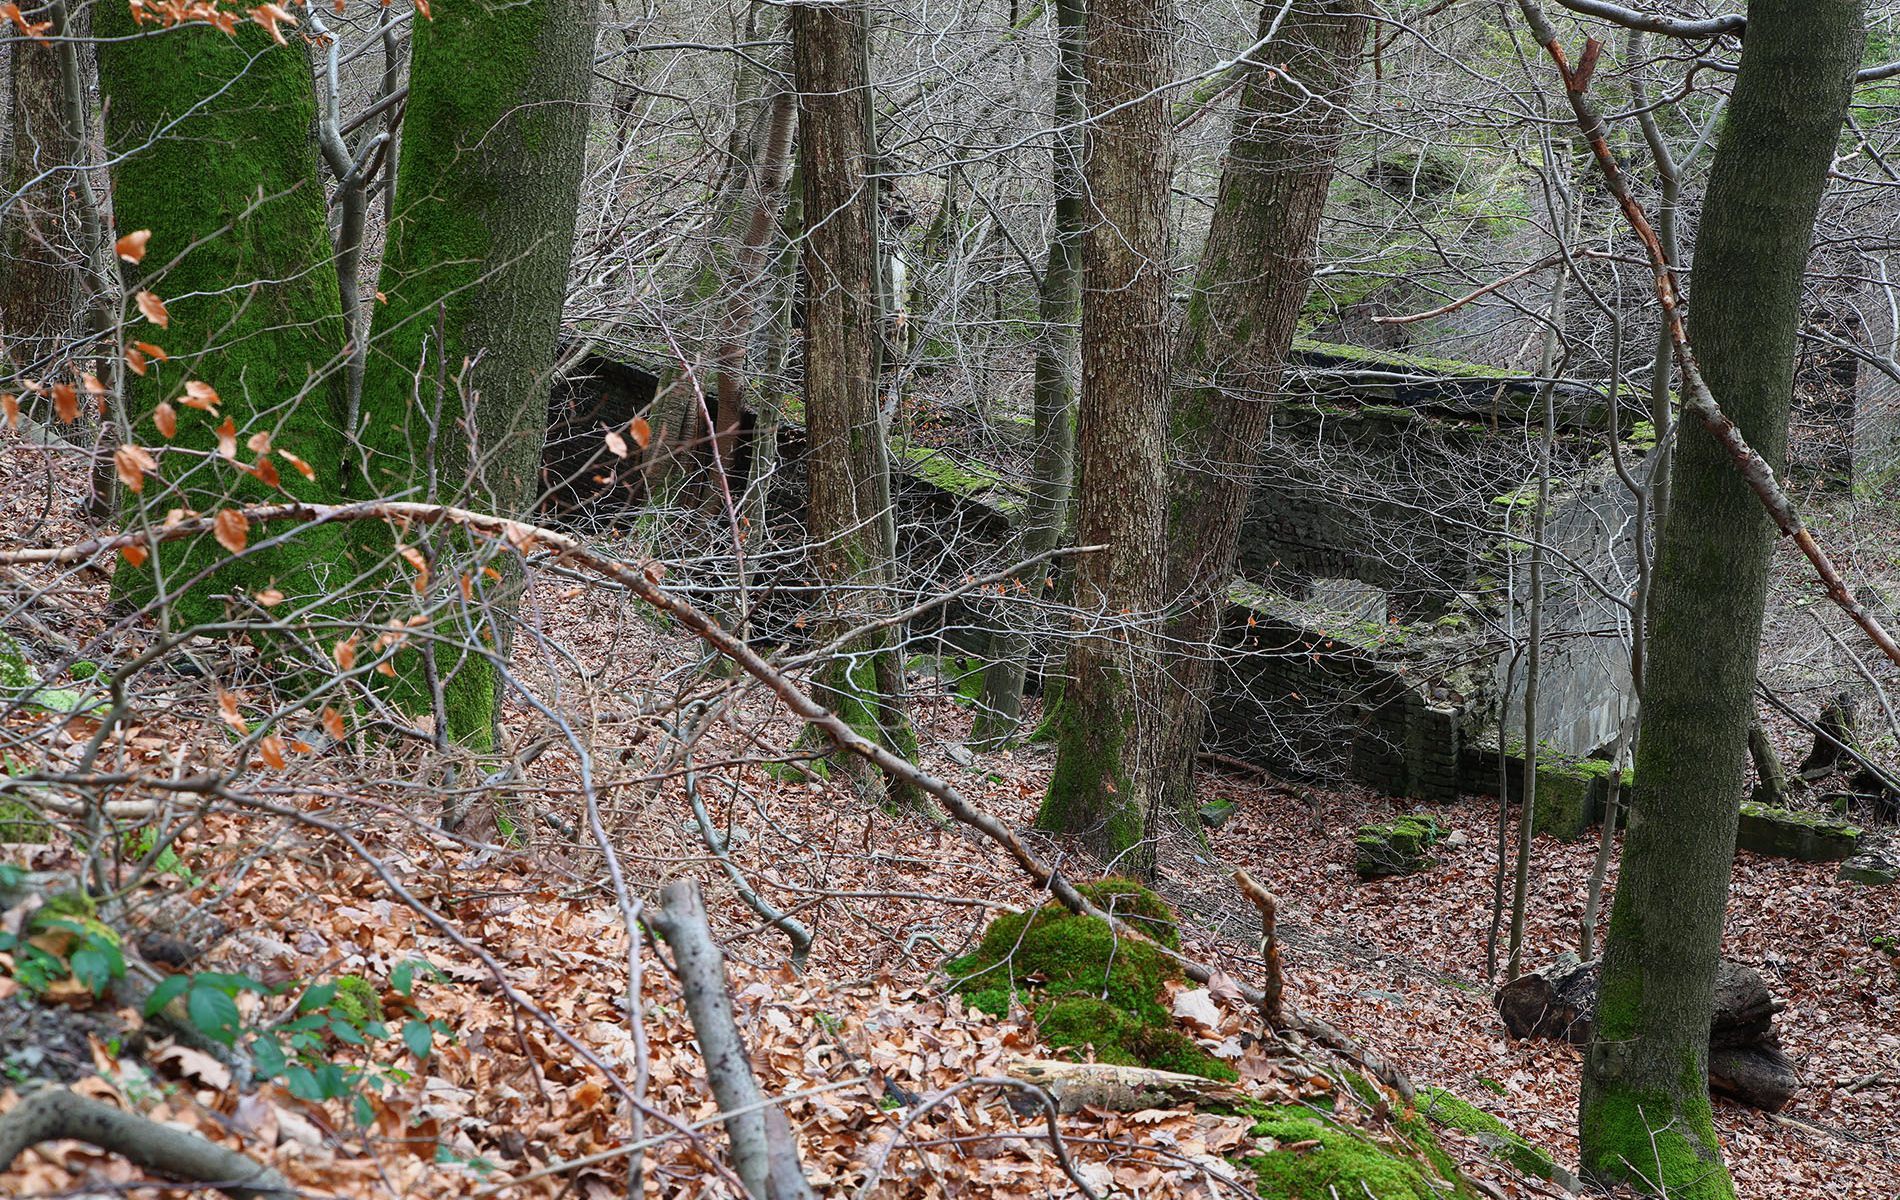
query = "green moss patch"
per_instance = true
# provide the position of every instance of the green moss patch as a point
(1087, 986)
(1309, 1157)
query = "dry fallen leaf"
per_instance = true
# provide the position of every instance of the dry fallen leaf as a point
(231, 528)
(303, 468)
(228, 712)
(642, 432)
(134, 554)
(165, 417)
(333, 723)
(133, 463)
(345, 652)
(201, 395)
(227, 439)
(66, 403)
(270, 747)
(154, 309)
(131, 247)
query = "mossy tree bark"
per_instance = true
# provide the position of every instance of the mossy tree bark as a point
(1107, 722)
(39, 268)
(1058, 303)
(847, 466)
(1253, 279)
(455, 393)
(240, 253)
(1645, 1113)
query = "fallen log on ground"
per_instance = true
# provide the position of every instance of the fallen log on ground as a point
(56, 1114)
(1746, 1063)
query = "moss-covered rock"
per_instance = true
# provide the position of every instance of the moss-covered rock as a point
(1499, 1139)
(1399, 847)
(1809, 837)
(1087, 986)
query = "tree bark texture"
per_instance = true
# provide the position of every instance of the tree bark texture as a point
(240, 254)
(39, 255)
(455, 393)
(847, 467)
(1058, 306)
(1108, 720)
(1253, 279)
(1645, 1113)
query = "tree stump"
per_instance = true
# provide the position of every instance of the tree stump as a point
(1746, 1063)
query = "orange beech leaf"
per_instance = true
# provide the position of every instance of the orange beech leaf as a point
(228, 712)
(154, 309)
(333, 723)
(134, 554)
(641, 431)
(155, 351)
(345, 653)
(338, 7)
(201, 395)
(32, 29)
(131, 247)
(616, 445)
(270, 748)
(166, 418)
(386, 667)
(133, 464)
(231, 528)
(270, 597)
(303, 468)
(269, 16)
(414, 558)
(259, 443)
(422, 6)
(10, 409)
(66, 402)
(135, 360)
(92, 385)
(266, 473)
(227, 439)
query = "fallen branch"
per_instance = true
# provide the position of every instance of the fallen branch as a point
(1075, 1086)
(764, 1155)
(643, 581)
(1697, 398)
(55, 1114)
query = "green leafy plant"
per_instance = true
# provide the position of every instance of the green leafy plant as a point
(336, 1043)
(63, 941)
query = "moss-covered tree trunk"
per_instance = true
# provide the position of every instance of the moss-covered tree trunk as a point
(1108, 720)
(1645, 1114)
(1253, 280)
(1058, 303)
(455, 394)
(847, 466)
(39, 266)
(212, 137)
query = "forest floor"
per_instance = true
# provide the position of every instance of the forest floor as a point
(333, 864)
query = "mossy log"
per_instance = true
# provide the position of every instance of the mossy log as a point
(1746, 1063)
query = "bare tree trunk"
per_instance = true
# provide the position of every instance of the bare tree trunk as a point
(1254, 275)
(40, 281)
(846, 468)
(1645, 1114)
(1107, 722)
(1059, 299)
(480, 239)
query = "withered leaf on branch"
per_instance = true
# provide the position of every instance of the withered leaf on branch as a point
(231, 528)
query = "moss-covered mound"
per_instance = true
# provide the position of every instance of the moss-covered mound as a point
(1087, 986)
(1308, 1156)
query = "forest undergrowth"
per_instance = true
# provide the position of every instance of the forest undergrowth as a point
(303, 862)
